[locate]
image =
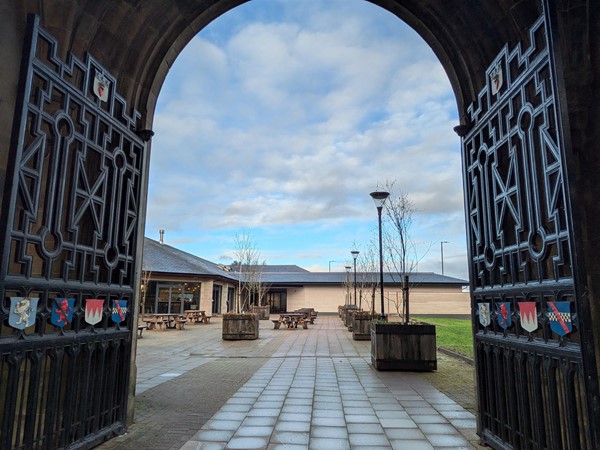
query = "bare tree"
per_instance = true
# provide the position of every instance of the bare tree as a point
(144, 287)
(348, 286)
(249, 270)
(368, 276)
(255, 287)
(402, 257)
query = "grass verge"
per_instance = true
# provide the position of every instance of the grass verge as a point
(453, 334)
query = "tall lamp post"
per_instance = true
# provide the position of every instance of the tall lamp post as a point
(379, 198)
(354, 255)
(348, 285)
(442, 253)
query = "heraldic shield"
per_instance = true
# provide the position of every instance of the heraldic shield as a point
(22, 312)
(503, 314)
(62, 311)
(119, 311)
(529, 320)
(485, 316)
(559, 317)
(93, 310)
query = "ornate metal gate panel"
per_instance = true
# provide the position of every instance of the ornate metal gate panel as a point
(68, 254)
(528, 325)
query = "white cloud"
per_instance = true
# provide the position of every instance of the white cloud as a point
(294, 118)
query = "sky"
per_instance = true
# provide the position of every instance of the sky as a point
(280, 117)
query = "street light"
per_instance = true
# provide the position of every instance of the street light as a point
(442, 253)
(354, 255)
(379, 199)
(330, 264)
(348, 284)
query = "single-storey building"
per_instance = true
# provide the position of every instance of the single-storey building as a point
(174, 281)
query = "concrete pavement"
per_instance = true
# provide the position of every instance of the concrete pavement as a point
(291, 389)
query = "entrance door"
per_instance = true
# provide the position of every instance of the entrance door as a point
(216, 299)
(230, 298)
(277, 301)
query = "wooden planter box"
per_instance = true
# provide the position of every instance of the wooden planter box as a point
(263, 312)
(403, 347)
(240, 326)
(361, 326)
(348, 311)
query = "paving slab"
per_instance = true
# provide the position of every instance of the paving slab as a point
(304, 389)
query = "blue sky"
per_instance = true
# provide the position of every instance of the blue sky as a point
(281, 116)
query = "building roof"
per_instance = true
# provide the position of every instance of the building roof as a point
(164, 258)
(276, 268)
(337, 278)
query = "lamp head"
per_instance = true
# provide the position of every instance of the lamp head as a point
(379, 197)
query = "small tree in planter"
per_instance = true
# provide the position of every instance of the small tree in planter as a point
(405, 345)
(257, 289)
(241, 323)
(367, 282)
(401, 251)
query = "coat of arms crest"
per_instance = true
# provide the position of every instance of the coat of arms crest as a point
(22, 312)
(119, 311)
(503, 314)
(559, 317)
(496, 78)
(62, 311)
(101, 85)
(484, 313)
(529, 320)
(93, 310)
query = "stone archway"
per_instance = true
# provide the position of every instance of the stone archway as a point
(136, 42)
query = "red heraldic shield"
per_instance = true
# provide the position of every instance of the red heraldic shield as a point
(529, 320)
(93, 310)
(62, 311)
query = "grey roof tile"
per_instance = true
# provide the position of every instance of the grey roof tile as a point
(164, 258)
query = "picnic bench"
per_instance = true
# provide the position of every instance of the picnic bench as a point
(141, 329)
(310, 314)
(180, 322)
(291, 320)
(153, 323)
(194, 316)
(165, 321)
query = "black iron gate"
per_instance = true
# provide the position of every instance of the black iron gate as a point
(69, 236)
(534, 382)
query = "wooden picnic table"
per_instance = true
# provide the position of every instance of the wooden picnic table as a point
(291, 320)
(166, 320)
(195, 316)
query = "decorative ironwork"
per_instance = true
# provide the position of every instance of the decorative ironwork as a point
(70, 244)
(527, 337)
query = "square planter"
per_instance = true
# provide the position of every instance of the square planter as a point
(348, 311)
(404, 347)
(240, 326)
(263, 312)
(361, 326)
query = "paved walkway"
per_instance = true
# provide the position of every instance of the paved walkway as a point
(291, 389)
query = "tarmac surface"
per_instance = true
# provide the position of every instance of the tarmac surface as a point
(291, 389)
